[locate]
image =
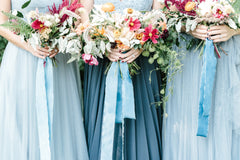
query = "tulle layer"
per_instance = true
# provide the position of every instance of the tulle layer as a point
(180, 126)
(18, 122)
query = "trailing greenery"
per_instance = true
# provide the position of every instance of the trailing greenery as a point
(22, 27)
(3, 43)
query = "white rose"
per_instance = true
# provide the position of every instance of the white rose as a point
(204, 9)
(229, 9)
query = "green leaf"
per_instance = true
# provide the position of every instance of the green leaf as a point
(151, 60)
(19, 14)
(162, 92)
(26, 4)
(152, 48)
(160, 60)
(155, 56)
(146, 54)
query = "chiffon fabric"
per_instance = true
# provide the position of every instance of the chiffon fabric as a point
(19, 139)
(181, 119)
(142, 137)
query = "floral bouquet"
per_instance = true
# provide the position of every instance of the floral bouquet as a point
(53, 30)
(188, 15)
(145, 31)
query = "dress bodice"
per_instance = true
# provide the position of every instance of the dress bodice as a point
(42, 5)
(140, 5)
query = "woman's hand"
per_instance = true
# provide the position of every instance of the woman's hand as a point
(114, 55)
(201, 32)
(130, 56)
(221, 33)
(41, 52)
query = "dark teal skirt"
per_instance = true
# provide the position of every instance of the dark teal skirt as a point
(142, 139)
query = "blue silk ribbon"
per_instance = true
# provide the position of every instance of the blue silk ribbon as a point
(206, 88)
(44, 106)
(118, 105)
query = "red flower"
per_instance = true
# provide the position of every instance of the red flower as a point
(38, 25)
(65, 3)
(150, 34)
(134, 25)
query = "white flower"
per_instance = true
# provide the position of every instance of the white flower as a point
(57, 20)
(42, 18)
(32, 14)
(229, 9)
(239, 19)
(205, 9)
(48, 23)
(82, 10)
(15, 12)
(217, 8)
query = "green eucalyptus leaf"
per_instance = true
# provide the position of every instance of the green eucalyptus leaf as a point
(152, 49)
(26, 4)
(151, 60)
(19, 14)
(155, 56)
(145, 53)
(160, 61)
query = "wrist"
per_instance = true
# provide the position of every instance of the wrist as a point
(235, 32)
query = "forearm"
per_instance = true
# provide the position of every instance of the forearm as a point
(13, 38)
(88, 5)
(10, 36)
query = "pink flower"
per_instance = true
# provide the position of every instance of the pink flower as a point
(89, 59)
(134, 25)
(38, 25)
(65, 3)
(219, 14)
(150, 34)
(93, 61)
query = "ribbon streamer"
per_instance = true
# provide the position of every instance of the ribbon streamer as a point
(44, 106)
(118, 105)
(206, 88)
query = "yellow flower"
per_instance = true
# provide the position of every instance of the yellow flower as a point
(117, 34)
(190, 6)
(139, 36)
(100, 32)
(129, 10)
(108, 7)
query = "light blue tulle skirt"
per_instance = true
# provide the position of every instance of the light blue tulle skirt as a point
(180, 125)
(19, 139)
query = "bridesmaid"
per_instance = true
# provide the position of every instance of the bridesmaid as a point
(19, 135)
(142, 138)
(181, 121)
